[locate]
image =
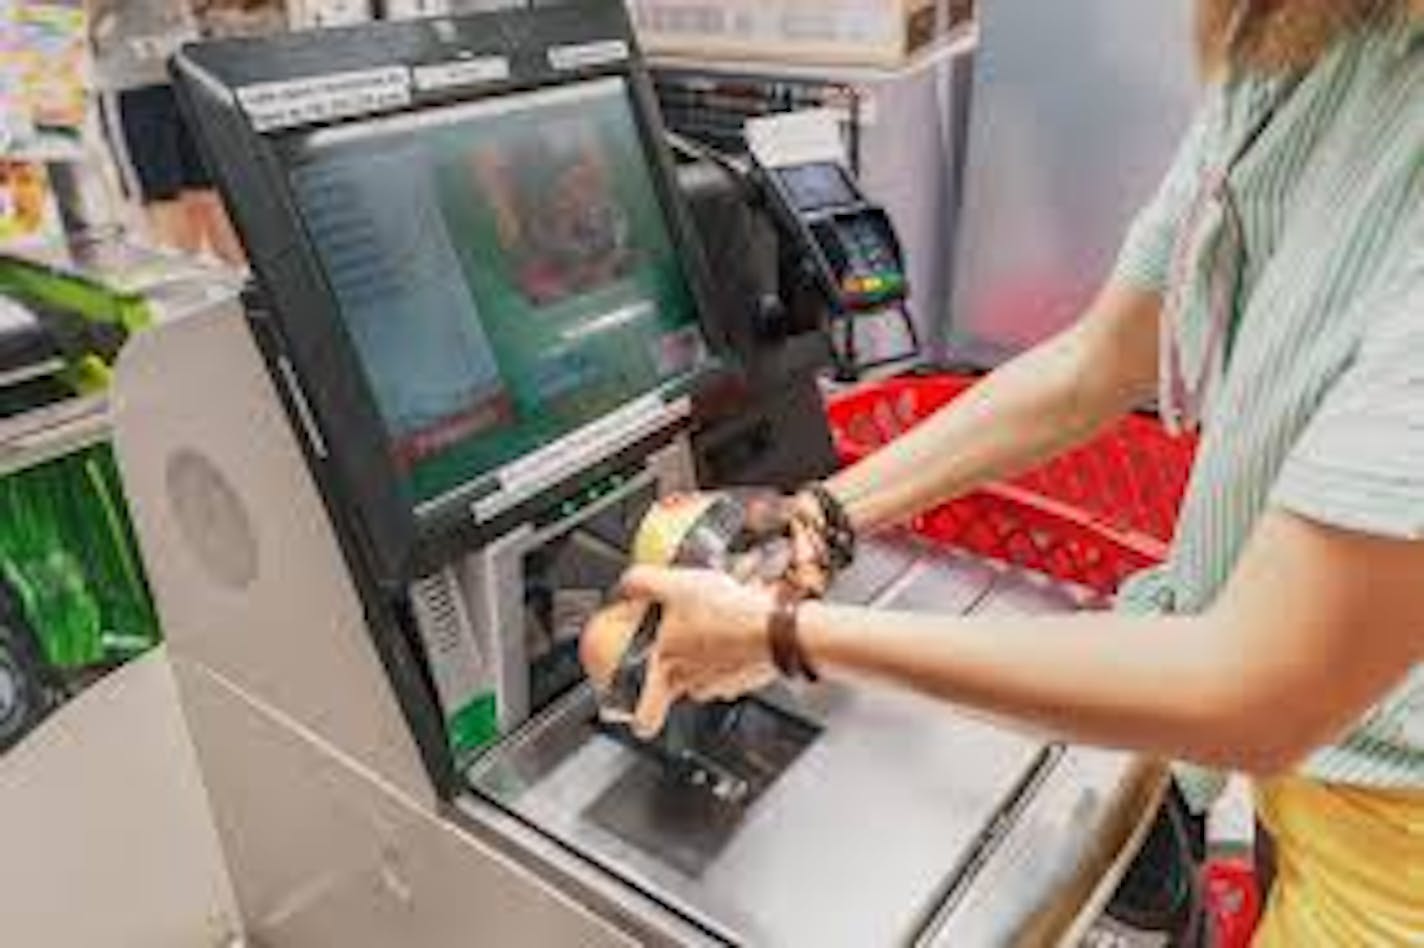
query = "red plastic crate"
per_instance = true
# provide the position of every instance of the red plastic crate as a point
(1093, 517)
(1233, 902)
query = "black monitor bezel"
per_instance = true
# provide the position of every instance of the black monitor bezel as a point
(296, 147)
(400, 543)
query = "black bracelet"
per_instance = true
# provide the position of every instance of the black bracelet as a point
(783, 633)
(840, 534)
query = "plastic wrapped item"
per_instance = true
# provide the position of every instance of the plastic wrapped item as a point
(705, 531)
(708, 531)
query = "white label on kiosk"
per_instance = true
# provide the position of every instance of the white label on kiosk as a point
(592, 443)
(583, 55)
(461, 72)
(296, 102)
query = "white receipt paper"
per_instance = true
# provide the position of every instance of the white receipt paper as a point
(797, 138)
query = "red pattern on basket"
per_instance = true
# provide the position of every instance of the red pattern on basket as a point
(1233, 902)
(1093, 517)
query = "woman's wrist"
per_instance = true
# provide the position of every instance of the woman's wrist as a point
(788, 653)
(852, 501)
(818, 506)
(753, 623)
(812, 634)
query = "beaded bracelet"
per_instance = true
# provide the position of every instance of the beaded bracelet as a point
(839, 533)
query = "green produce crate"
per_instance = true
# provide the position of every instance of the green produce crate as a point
(67, 551)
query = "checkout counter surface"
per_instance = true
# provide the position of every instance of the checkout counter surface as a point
(872, 832)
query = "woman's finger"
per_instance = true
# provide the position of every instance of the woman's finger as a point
(808, 513)
(746, 567)
(810, 579)
(744, 682)
(653, 704)
(764, 513)
(708, 692)
(649, 582)
(808, 565)
(808, 543)
(727, 687)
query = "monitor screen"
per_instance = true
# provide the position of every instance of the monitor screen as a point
(817, 187)
(504, 269)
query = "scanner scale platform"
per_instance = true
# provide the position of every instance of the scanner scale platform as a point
(858, 841)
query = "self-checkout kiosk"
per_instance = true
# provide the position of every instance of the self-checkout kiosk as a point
(380, 499)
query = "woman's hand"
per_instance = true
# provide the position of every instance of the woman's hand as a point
(712, 643)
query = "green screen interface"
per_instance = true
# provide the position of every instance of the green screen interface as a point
(504, 270)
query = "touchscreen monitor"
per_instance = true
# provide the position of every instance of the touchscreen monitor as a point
(504, 270)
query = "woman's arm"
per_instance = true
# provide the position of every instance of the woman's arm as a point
(1315, 626)
(1042, 403)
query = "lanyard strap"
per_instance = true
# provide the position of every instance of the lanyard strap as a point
(1182, 400)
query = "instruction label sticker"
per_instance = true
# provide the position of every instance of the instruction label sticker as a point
(296, 102)
(461, 72)
(519, 480)
(583, 55)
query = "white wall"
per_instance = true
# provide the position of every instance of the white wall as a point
(1076, 109)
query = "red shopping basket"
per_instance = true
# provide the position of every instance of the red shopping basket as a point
(1233, 902)
(1093, 517)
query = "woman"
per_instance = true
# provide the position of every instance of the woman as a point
(133, 40)
(1274, 289)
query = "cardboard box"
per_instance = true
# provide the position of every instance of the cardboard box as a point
(879, 33)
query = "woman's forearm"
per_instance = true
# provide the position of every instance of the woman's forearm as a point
(1305, 637)
(1162, 686)
(1042, 403)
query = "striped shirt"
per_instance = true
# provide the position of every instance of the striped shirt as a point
(1316, 402)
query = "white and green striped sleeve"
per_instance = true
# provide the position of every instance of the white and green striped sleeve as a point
(1360, 463)
(1146, 255)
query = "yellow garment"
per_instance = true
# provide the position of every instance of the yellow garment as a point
(1349, 866)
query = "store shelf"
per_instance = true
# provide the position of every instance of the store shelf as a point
(52, 432)
(120, 264)
(957, 43)
(48, 148)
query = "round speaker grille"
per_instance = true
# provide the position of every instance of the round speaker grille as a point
(212, 519)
